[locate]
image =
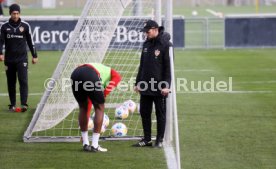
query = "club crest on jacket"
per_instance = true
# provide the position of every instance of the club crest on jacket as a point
(21, 28)
(156, 52)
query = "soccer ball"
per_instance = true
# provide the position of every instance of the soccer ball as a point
(106, 120)
(104, 125)
(121, 112)
(131, 105)
(90, 123)
(119, 130)
(194, 13)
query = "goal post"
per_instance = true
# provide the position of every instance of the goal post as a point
(171, 139)
(172, 148)
(107, 32)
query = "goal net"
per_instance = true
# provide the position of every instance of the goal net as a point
(107, 32)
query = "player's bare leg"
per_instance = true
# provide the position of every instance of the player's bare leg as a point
(83, 122)
(98, 121)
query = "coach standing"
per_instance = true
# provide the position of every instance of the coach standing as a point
(14, 34)
(153, 81)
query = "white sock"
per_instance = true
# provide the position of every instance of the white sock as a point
(95, 139)
(84, 135)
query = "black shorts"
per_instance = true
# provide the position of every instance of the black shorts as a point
(86, 84)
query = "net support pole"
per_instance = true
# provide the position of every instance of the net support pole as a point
(172, 148)
(175, 116)
(158, 12)
(138, 8)
(172, 123)
(169, 18)
(169, 121)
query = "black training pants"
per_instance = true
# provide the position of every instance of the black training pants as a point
(20, 70)
(146, 103)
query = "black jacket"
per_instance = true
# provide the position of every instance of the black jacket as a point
(15, 35)
(155, 65)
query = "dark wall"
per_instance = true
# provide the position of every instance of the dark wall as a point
(54, 34)
(178, 32)
(250, 32)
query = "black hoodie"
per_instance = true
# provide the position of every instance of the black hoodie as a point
(155, 65)
(15, 35)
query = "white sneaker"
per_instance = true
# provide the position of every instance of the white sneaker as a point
(98, 149)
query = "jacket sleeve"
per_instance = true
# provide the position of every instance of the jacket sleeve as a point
(138, 77)
(167, 67)
(2, 40)
(114, 81)
(30, 41)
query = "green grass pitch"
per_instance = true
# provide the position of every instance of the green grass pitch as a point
(235, 130)
(217, 130)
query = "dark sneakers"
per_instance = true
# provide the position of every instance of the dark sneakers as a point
(86, 148)
(89, 148)
(158, 144)
(143, 143)
(98, 149)
(24, 108)
(11, 108)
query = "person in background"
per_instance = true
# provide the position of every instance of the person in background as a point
(15, 35)
(1, 8)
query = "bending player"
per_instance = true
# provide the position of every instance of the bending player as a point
(91, 83)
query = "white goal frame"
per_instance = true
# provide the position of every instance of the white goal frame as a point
(171, 140)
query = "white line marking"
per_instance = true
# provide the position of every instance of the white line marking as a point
(193, 70)
(226, 92)
(257, 82)
(171, 157)
(272, 69)
(30, 94)
(181, 92)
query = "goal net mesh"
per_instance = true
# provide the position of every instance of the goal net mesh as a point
(107, 32)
